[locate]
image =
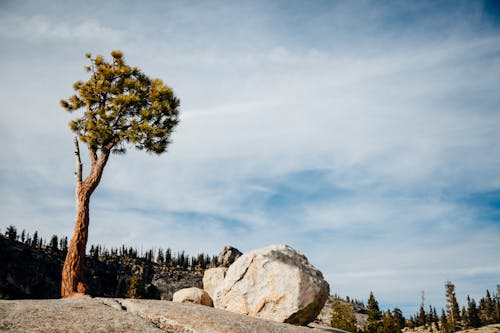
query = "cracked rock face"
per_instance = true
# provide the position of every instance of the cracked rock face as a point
(213, 278)
(276, 283)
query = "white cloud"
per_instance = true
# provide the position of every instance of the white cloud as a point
(39, 28)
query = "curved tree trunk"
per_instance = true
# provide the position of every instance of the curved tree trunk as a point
(72, 273)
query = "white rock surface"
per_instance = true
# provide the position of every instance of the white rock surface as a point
(193, 295)
(276, 283)
(213, 278)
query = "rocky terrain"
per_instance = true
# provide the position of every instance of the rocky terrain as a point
(34, 273)
(128, 315)
(495, 328)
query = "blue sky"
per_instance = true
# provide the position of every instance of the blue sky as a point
(364, 134)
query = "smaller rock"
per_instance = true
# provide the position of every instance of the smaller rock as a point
(213, 278)
(193, 295)
(228, 255)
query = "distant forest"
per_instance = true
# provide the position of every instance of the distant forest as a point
(452, 319)
(344, 312)
(161, 256)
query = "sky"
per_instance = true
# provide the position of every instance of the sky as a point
(364, 134)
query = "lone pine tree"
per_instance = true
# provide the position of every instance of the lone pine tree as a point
(121, 107)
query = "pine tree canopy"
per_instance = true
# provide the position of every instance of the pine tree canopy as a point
(374, 313)
(342, 316)
(122, 106)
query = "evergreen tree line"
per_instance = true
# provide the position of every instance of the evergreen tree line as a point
(55, 243)
(355, 303)
(59, 245)
(452, 319)
(344, 316)
(383, 322)
(161, 256)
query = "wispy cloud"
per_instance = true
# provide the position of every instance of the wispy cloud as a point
(39, 28)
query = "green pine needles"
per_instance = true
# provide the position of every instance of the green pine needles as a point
(122, 106)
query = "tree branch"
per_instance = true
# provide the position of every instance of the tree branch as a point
(78, 171)
(93, 156)
(109, 145)
(96, 171)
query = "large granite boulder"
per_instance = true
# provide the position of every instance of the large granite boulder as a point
(193, 295)
(276, 283)
(212, 279)
(227, 256)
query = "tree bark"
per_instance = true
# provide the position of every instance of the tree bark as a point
(72, 272)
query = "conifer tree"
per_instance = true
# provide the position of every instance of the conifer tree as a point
(149, 256)
(430, 317)
(444, 322)
(28, 239)
(121, 287)
(388, 323)
(374, 315)
(214, 262)
(422, 317)
(465, 318)
(11, 233)
(168, 257)
(490, 308)
(160, 258)
(63, 244)
(473, 313)
(436, 318)
(342, 316)
(122, 106)
(497, 305)
(53, 243)
(34, 242)
(201, 261)
(399, 319)
(136, 287)
(452, 307)
(487, 309)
